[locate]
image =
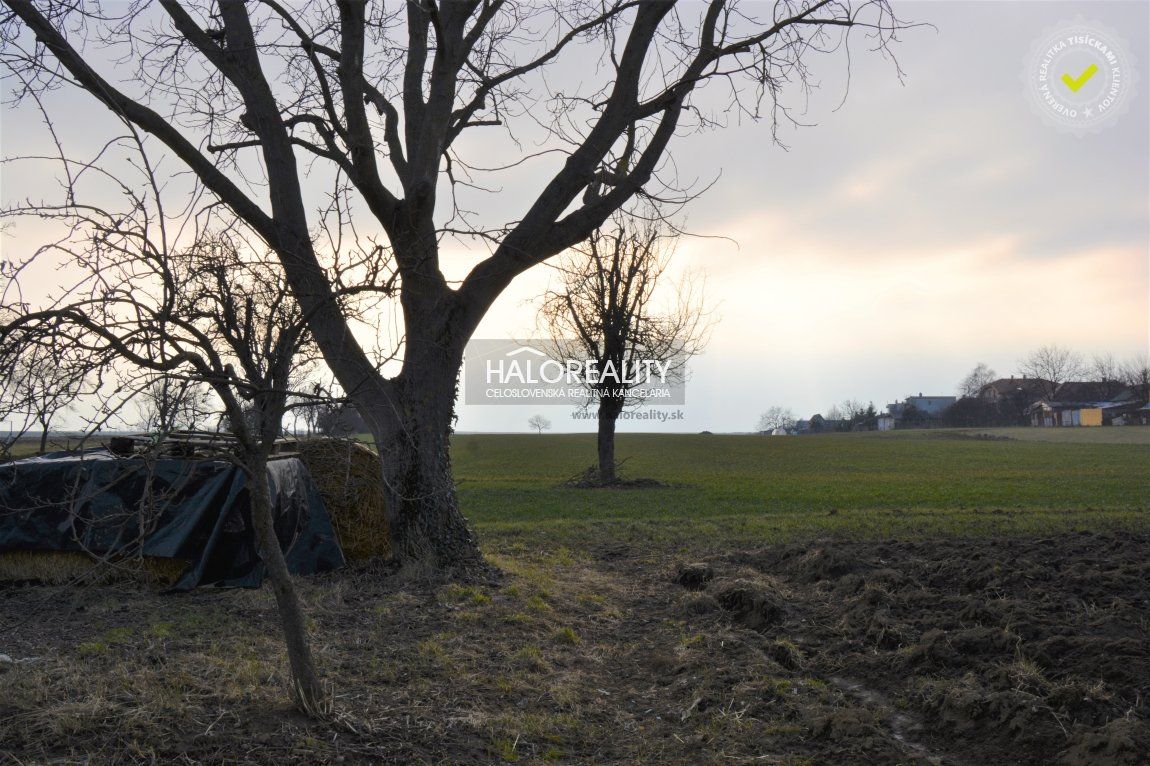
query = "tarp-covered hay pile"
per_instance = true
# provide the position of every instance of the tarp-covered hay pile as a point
(183, 518)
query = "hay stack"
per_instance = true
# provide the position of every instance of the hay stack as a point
(73, 568)
(347, 474)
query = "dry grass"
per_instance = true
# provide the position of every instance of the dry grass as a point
(73, 567)
(580, 656)
(561, 664)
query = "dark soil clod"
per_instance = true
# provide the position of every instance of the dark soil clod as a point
(750, 604)
(694, 576)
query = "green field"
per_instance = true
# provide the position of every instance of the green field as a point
(725, 487)
(728, 488)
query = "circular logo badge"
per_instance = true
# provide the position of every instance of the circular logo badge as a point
(1079, 77)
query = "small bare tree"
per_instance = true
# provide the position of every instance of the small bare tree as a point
(775, 417)
(38, 386)
(539, 423)
(1052, 366)
(170, 403)
(604, 310)
(215, 315)
(976, 380)
(1106, 374)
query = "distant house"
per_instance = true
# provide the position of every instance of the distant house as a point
(919, 409)
(1012, 388)
(1126, 413)
(1086, 403)
(1011, 399)
(931, 405)
(1089, 391)
(885, 422)
(1055, 414)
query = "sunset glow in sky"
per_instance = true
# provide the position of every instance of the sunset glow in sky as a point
(919, 229)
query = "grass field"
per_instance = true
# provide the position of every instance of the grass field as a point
(754, 488)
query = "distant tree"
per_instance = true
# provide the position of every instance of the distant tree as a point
(776, 417)
(853, 412)
(539, 423)
(974, 382)
(1106, 373)
(169, 403)
(972, 411)
(1052, 365)
(854, 415)
(307, 403)
(1013, 408)
(913, 417)
(1104, 367)
(834, 413)
(1136, 374)
(605, 310)
(37, 385)
(340, 420)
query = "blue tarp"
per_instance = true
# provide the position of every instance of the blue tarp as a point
(196, 510)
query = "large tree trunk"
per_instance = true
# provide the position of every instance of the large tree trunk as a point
(413, 437)
(609, 410)
(308, 691)
(43, 437)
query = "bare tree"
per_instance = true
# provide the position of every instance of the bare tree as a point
(310, 417)
(775, 417)
(976, 380)
(381, 96)
(15, 409)
(539, 423)
(213, 314)
(311, 406)
(852, 409)
(169, 403)
(1106, 374)
(1052, 366)
(1136, 374)
(38, 386)
(604, 310)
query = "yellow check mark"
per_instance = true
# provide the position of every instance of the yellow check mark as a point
(1075, 83)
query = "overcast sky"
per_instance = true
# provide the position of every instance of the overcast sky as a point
(898, 239)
